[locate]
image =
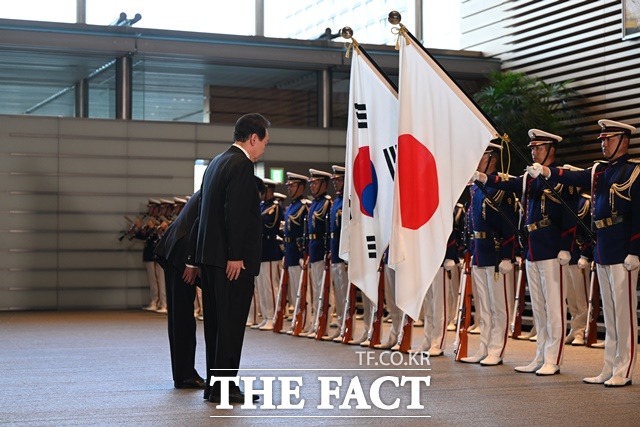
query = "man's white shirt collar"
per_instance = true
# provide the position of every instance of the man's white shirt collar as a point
(243, 150)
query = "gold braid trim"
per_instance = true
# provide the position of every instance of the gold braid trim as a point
(618, 189)
(294, 218)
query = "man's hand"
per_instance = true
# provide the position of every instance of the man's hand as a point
(449, 264)
(564, 257)
(537, 169)
(631, 262)
(583, 263)
(233, 269)
(479, 176)
(505, 266)
(190, 274)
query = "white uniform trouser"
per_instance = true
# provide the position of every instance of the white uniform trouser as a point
(452, 294)
(392, 308)
(577, 281)
(294, 279)
(619, 306)
(157, 290)
(340, 287)
(547, 290)
(266, 285)
(494, 309)
(435, 310)
(315, 278)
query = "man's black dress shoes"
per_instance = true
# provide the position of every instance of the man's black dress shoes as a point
(235, 396)
(195, 382)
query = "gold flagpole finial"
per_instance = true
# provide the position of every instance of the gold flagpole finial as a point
(347, 33)
(395, 18)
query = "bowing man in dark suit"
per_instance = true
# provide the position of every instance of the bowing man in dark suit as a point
(176, 251)
(229, 249)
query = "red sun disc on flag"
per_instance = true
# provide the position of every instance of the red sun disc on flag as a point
(417, 176)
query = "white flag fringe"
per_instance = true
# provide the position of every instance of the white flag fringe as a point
(442, 136)
(372, 135)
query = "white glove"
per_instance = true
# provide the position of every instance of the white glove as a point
(448, 264)
(583, 263)
(631, 262)
(505, 266)
(534, 170)
(564, 257)
(479, 176)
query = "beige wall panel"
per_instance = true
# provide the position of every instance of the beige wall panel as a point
(116, 129)
(29, 260)
(93, 185)
(161, 148)
(98, 146)
(30, 241)
(28, 164)
(29, 221)
(91, 260)
(27, 202)
(97, 203)
(29, 183)
(89, 222)
(164, 187)
(28, 300)
(161, 167)
(103, 298)
(85, 280)
(161, 131)
(21, 281)
(92, 166)
(221, 133)
(90, 241)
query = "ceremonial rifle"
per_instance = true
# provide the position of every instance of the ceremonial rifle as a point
(593, 312)
(281, 304)
(379, 313)
(464, 310)
(349, 315)
(518, 308)
(323, 303)
(405, 338)
(300, 312)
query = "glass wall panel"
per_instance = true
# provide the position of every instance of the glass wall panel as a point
(39, 10)
(236, 17)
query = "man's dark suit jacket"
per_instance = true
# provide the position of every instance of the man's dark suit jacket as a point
(230, 225)
(178, 244)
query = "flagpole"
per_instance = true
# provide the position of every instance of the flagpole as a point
(394, 18)
(347, 33)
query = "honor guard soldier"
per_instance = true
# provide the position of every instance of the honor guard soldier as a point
(551, 229)
(269, 276)
(318, 229)
(293, 230)
(338, 266)
(148, 233)
(615, 201)
(576, 275)
(493, 252)
(459, 218)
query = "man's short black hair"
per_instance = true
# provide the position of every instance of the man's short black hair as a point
(249, 124)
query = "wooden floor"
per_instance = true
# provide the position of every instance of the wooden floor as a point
(113, 368)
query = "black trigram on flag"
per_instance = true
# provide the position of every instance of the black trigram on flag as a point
(361, 115)
(390, 154)
(371, 246)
